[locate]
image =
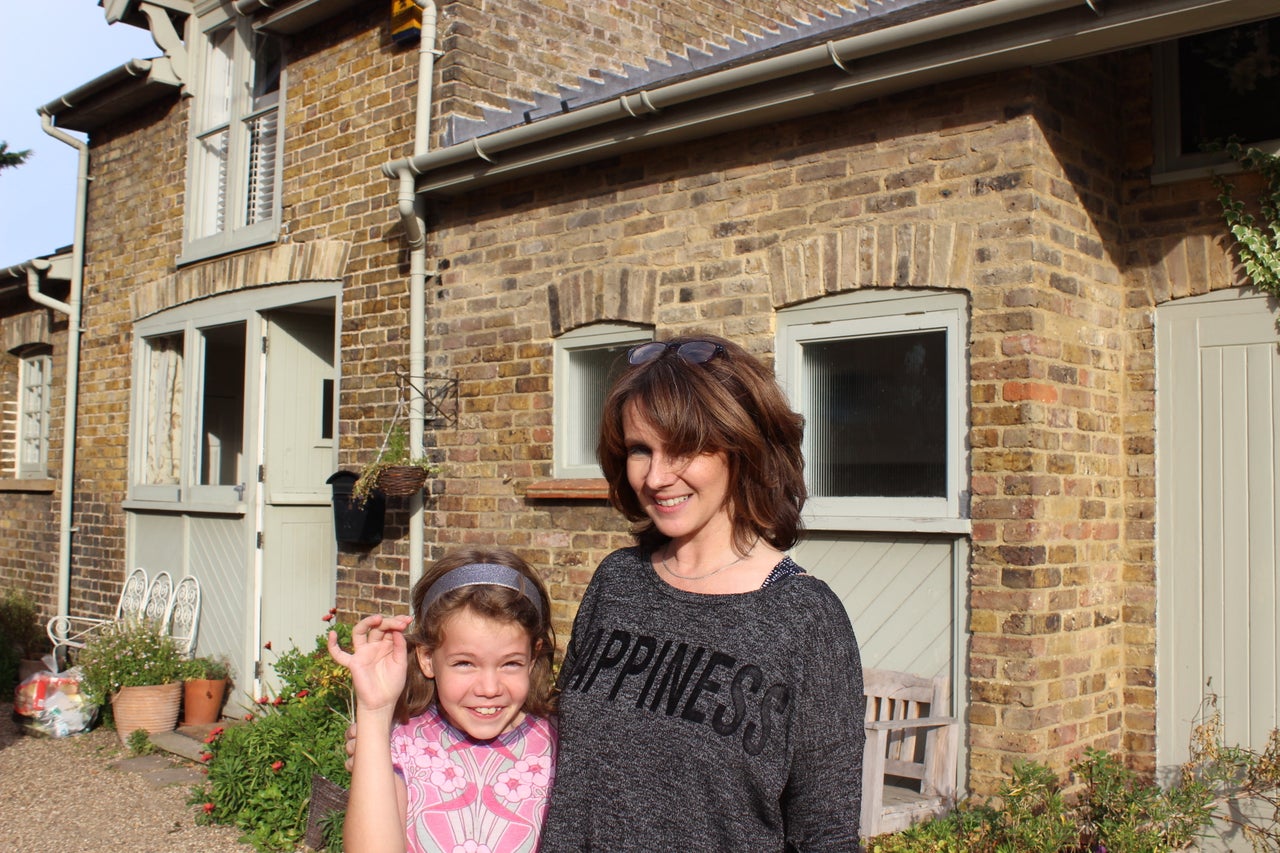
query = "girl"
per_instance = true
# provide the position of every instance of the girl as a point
(468, 681)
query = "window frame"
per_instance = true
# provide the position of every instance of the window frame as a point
(1169, 163)
(39, 469)
(567, 394)
(872, 314)
(233, 236)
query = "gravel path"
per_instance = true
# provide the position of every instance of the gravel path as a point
(64, 794)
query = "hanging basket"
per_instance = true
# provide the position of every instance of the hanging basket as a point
(400, 480)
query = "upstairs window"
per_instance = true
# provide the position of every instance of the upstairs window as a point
(587, 360)
(1211, 87)
(33, 416)
(235, 146)
(879, 378)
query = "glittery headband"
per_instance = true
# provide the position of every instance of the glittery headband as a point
(481, 574)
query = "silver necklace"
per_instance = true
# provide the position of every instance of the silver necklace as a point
(663, 557)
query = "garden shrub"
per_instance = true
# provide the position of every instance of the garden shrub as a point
(21, 636)
(1115, 813)
(260, 772)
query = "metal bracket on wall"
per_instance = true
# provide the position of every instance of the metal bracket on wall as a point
(439, 398)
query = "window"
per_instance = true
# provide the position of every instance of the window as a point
(235, 146)
(33, 416)
(879, 378)
(586, 362)
(194, 375)
(1214, 86)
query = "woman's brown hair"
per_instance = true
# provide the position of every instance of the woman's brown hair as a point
(491, 601)
(730, 403)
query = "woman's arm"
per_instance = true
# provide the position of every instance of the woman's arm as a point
(376, 806)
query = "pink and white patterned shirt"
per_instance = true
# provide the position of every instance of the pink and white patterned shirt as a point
(473, 796)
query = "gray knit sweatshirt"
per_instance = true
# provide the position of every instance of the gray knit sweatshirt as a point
(707, 722)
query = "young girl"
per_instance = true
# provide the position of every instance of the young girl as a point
(462, 692)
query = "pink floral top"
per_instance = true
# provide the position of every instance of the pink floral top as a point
(471, 796)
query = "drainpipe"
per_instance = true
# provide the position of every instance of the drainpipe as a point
(72, 386)
(413, 215)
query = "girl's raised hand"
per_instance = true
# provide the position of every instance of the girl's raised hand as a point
(379, 660)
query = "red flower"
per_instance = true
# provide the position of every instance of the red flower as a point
(206, 756)
(333, 610)
(248, 718)
(276, 765)
(213, 735)
(267, 645)
(263, 700)
(278, 701)
(208, 807)
(328, 617)
(303, 692)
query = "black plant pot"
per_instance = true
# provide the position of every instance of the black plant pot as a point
(353, 522)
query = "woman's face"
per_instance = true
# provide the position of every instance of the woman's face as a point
(482, 670)
(687, 497)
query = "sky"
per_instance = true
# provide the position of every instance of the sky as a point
(47, 49)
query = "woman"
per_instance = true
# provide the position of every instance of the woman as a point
(711, 696)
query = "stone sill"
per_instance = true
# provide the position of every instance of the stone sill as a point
(44, 486)
(590, 489)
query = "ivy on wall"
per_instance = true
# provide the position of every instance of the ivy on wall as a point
(1257, 238)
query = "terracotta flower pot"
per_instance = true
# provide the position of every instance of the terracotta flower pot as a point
(202, 700)
(153, 708)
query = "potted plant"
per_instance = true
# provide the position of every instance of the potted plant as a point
(395, 471)
(139, 669)
(204, 685)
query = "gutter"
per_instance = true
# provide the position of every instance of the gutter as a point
(991, 36)
(72, 310)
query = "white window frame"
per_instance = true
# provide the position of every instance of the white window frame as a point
(236, 233)
(34, 411)
(570, 395)
(876, 313)
(1170, 163)
(191, 325)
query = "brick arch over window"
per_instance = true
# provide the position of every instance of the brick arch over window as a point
(617, 293)
(320, 260)
(1179, 265)
(904, 254)
(25, 329)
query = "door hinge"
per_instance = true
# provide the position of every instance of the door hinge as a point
(257, 669)
(259, 538)
(264, 343)
(262, 473)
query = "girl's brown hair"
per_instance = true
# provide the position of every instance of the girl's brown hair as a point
(492, 602)
(731, 404)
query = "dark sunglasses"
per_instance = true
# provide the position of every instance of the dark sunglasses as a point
(693, 352)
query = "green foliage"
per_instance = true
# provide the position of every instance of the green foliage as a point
(211, 668)
(1257, 241)
(21, 636)
(1115, 813)
(260, 773)
(133, 653)
(9, 158)
(140, 742)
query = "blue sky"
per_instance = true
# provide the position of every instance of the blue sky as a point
(48, 48)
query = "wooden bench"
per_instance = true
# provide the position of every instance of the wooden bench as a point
(909, 766)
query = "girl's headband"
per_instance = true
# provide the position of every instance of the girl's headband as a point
(479, 574)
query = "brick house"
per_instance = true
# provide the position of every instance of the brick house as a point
(973, 237)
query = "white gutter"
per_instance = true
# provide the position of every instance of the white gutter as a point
(72, 385)
(645, 103)
(989, 37)
(413, 215)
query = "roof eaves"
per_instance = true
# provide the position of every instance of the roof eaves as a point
(115, 94)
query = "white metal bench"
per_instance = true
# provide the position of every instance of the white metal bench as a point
(176, 609)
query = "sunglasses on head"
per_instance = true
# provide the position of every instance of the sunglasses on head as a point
(693, 352)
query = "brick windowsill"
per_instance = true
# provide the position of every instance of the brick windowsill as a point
(592, 489)
(10, 484)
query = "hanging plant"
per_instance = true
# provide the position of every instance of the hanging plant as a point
(395, 471)
(1257, 239)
